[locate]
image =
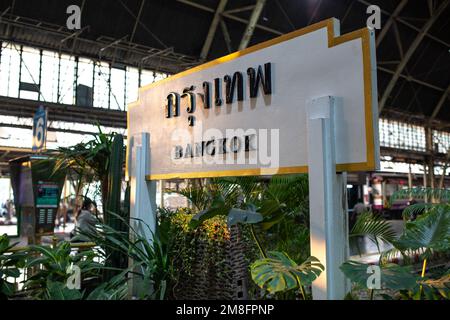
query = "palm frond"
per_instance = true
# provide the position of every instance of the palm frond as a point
(200, 198)
(248, 187)
(416, 209)
(374, 227)
(389, 256)
(392, 276)
(430, 231)
(288, 186)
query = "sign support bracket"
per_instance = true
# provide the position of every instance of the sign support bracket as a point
(328, 199)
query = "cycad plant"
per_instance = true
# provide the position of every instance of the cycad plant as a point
(426, 235)
(374, 227)
(429, 233)
(427, 228)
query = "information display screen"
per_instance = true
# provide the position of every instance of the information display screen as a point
(47, 198)
(47, 195)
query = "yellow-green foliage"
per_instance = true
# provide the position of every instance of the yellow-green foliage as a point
(214, 229)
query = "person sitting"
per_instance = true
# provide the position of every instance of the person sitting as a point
(85, 222)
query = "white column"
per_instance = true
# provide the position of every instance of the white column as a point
(142, 193)
(328, 205)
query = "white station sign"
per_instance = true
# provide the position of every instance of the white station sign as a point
(245, 113)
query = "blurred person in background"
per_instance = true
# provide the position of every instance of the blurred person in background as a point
(359, 208)
(62, 213)
(3, 209)
(7, 211)
(85, 221)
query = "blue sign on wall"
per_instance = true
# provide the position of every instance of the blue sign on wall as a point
(39, 130)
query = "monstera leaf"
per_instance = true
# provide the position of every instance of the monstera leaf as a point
(234, 215)
(279, 273)
(392, 276)
(430, 232)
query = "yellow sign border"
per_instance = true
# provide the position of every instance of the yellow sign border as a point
(363, 34)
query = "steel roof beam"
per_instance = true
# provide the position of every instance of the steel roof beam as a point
(277, 32)
(197, 5)
(52, 129)
(410, 52)
(441, 102)
(60, 112)
(411, 26)
(88, 48)
(241, 9)
(138, 19)
(226, 35)
(212, 29)
(229, 16)
(391, 19)
(248, 33)
(258, 26)
(412, 79)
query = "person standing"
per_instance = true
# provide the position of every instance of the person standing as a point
(359, 208)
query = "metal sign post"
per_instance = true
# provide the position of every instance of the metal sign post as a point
(327, 199)
(142, 193)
